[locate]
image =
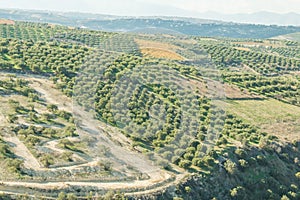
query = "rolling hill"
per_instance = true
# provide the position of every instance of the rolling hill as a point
(170, 25)
(89, 114)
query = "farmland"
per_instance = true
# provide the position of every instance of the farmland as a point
(89, 114)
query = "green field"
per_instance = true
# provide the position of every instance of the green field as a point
(291, 36)
(273, 116)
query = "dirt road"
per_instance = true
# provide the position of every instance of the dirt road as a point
(120, 151)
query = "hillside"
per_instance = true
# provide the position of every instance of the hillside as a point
(168, 25)
(92, 114)
(291, 36)
(260, 17)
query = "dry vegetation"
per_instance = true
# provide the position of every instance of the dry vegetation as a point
(234, 92)
(155, 44)
(161, 53)
(7, 21)
(52, 136)
(158, 49)
(242, 48)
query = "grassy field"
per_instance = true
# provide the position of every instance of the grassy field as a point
(272, 116)
(291, 36)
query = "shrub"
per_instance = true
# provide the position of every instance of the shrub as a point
(243, 163)
(238, 192)
(297, 175)
(230, 167)
(185, 164)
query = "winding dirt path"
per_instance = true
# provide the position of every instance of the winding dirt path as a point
(120, 150)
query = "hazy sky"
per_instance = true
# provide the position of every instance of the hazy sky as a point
(157, 7)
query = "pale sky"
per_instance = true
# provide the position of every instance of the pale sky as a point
(157, 7)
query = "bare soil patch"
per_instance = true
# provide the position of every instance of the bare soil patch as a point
(155, 44)
(161, 53)
(7, 22)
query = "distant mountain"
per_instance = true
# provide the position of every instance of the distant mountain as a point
(64, 18)
(190, 27)
(171, 25)
(256, 18)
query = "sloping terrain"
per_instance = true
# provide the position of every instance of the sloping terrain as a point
(291, 36)
(275, 117)
(147, 116)
(152, 25)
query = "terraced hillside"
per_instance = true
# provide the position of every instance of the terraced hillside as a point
(88, 114)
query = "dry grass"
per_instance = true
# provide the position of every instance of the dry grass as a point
(209, 39)
(242, 48)
(188, 41)
(234, 92)
(3, 120)
(7, 21)
(231, 91)
(158, 49)
(161, 53)
(51, 25)
(155, 44)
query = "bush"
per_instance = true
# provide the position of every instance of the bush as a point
(62, 196)
(238, 192)
(240, 153)
(185, 164)
(71, 196)
(243, 163)
(15, 165)
(187, 189)
(297, 175)
(47, 160)
(284, 197)
(52, 108)
(107, 166)
(230, 167)
(208, 160)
